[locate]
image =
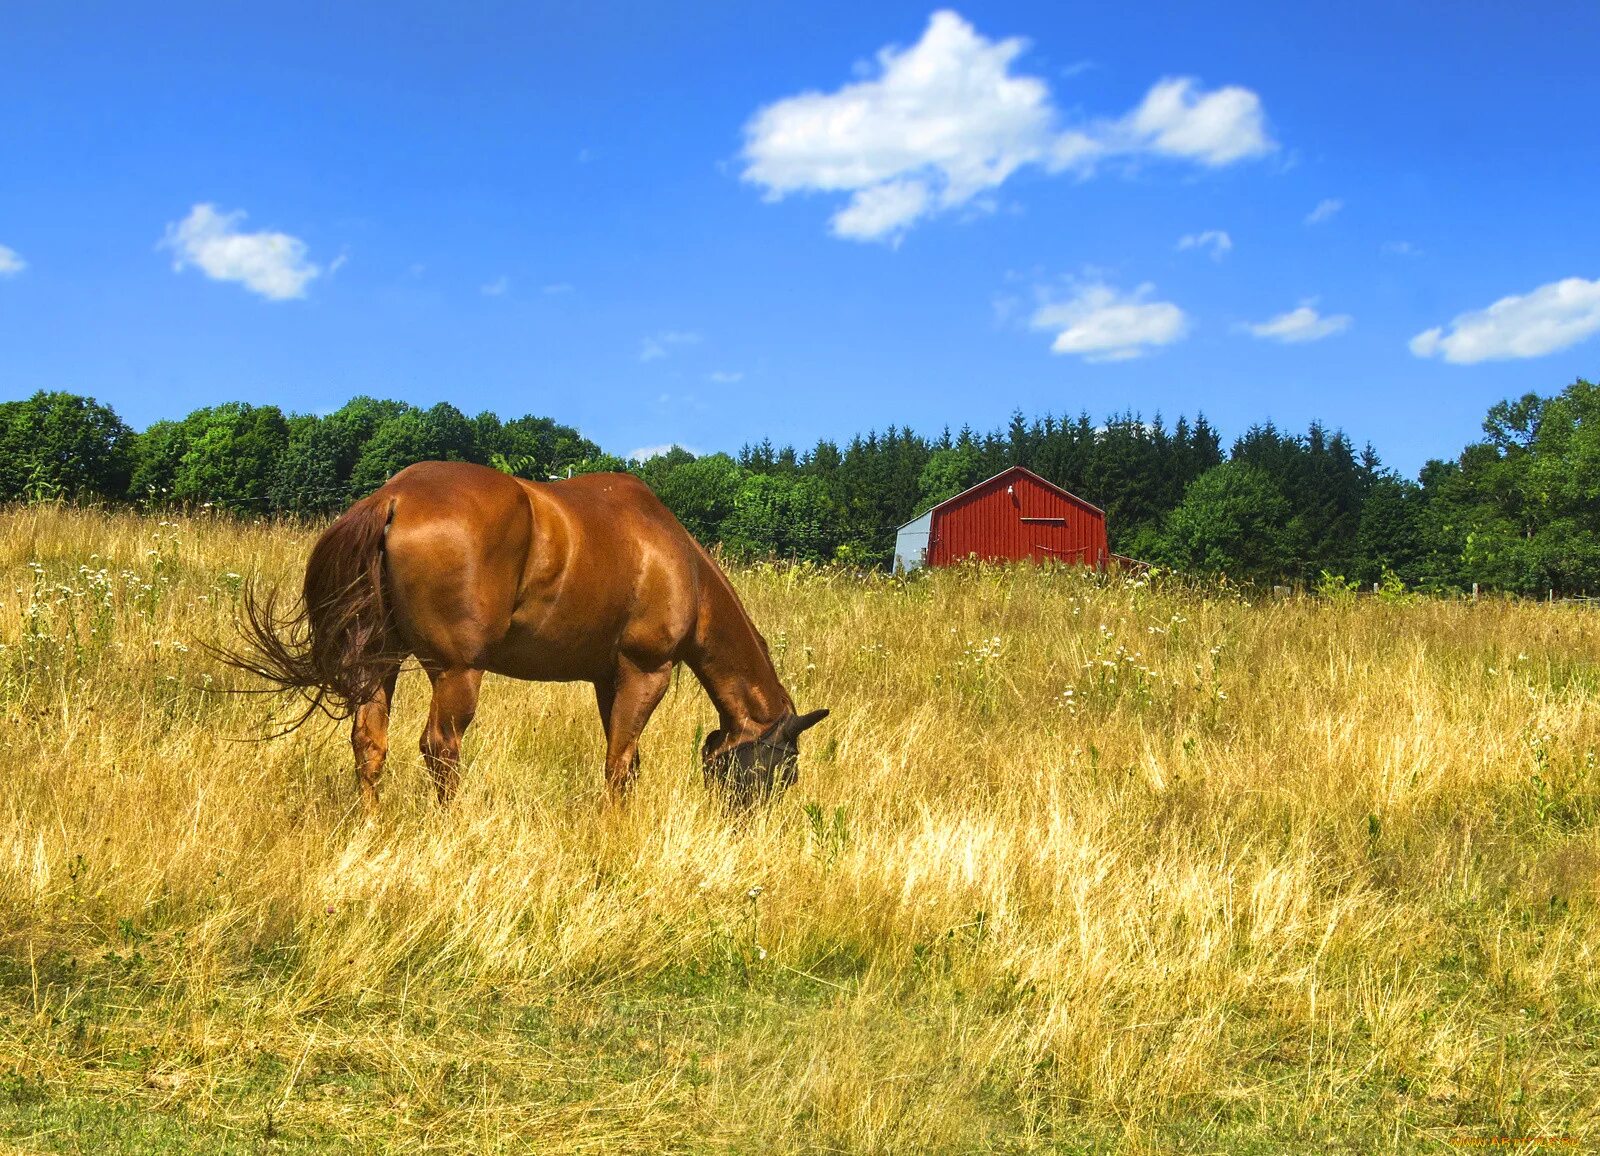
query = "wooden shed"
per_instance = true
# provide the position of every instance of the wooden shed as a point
(1014, 516)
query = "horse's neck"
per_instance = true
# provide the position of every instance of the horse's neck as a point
(733, 665)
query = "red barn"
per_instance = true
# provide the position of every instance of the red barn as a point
(1015, 515)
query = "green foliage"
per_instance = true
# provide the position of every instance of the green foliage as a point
(1336, 587)
(1389, 532)
(439, 434)
(1514, 512)
(950, 470)
(781, 516)
(59, 445)
(701, 493)
(1517, 511)
(230, 456)
(156, 454)
(537, 447)
(1392, 589)
(310, 477)
(656, 470)
(1233, 522)
(1324, 483)
(517, 466)
(830, 834)
(599, 462)
(225, 455)
(252, 459)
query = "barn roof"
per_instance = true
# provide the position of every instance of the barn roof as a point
(1009, 471)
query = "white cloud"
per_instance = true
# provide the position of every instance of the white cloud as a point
(656, 347)
(1549, 319)
(11, 262)
(496, 288)
(1301, 324)
(1213, 128)
(1216, 240)
(941, 123)
(271, 264)
(647, 452)
(881, 210)
(1100, 324)
(725, 377)
(1324, 211)
(1401, 249)
(557, 289)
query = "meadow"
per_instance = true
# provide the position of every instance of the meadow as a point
(1119, 864)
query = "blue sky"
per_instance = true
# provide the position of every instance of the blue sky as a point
(714, 223)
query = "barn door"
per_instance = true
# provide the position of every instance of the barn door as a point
(1040, 531)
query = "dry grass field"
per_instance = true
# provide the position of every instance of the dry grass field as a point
(1076, 865)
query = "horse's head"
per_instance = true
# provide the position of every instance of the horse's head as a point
(759, 768)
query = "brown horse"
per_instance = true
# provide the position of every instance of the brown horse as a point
(471, 570)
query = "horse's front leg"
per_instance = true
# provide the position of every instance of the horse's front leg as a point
(635, 694)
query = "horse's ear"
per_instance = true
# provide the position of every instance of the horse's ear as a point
(803, 722)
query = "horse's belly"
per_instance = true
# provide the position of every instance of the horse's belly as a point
(545, 672)
(527, 654)
(577, 623)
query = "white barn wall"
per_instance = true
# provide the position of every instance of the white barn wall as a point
(911, 543)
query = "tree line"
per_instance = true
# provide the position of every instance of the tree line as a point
(1518, 511)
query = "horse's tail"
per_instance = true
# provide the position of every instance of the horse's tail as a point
(338, 646)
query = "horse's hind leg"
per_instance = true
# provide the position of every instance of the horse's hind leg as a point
(369, 737)
(455, 700)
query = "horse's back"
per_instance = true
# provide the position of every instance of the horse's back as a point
(536, 580)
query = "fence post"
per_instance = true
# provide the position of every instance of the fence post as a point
(1474, 591)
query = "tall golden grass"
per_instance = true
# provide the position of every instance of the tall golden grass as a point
(1075, 864)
